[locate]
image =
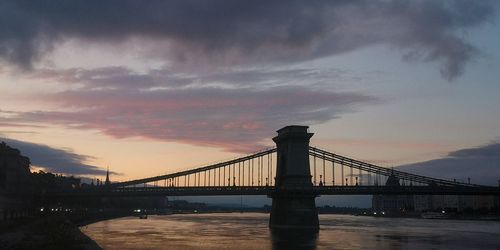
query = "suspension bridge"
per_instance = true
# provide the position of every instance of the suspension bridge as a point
(292, 174)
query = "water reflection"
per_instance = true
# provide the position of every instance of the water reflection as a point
(294, 239)
(251, 231)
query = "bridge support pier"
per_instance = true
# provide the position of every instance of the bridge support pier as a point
(294, 205)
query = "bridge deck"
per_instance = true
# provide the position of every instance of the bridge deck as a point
(270, 190)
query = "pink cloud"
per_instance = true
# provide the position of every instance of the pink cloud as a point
(233, 119)
(187, 109)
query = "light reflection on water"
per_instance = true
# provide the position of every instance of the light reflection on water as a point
(250, 231)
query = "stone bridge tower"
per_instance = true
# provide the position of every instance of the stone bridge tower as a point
(293, 206)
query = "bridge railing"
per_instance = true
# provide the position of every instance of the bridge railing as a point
(380, 171)
(259, 169)
(255, 169)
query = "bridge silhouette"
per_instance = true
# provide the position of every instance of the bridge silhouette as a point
(292, 174)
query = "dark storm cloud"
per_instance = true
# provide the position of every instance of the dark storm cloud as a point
(481, 164)
(245, 32)
(62, 161)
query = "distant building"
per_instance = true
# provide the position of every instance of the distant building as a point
(422, 203)
(107, 182)
(456, 203)
(485, 203)
(393, 205)
(182, 205)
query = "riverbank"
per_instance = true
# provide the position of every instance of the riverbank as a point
(48, 232)
(54, 230)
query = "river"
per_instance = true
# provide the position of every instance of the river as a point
(250, 231)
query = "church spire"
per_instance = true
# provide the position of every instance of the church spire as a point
(107, 182)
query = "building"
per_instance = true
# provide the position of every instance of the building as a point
(392, 205)
(397, 205)
(107, 182)
(456, 203)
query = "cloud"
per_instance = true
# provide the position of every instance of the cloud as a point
(117, 77)
(62, 161)
(481, 164)
(114, 77)
(212, 109)
(228, 33)
(236, 119)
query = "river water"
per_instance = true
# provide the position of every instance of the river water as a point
(250, 231)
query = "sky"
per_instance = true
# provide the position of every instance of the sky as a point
(152, 87)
